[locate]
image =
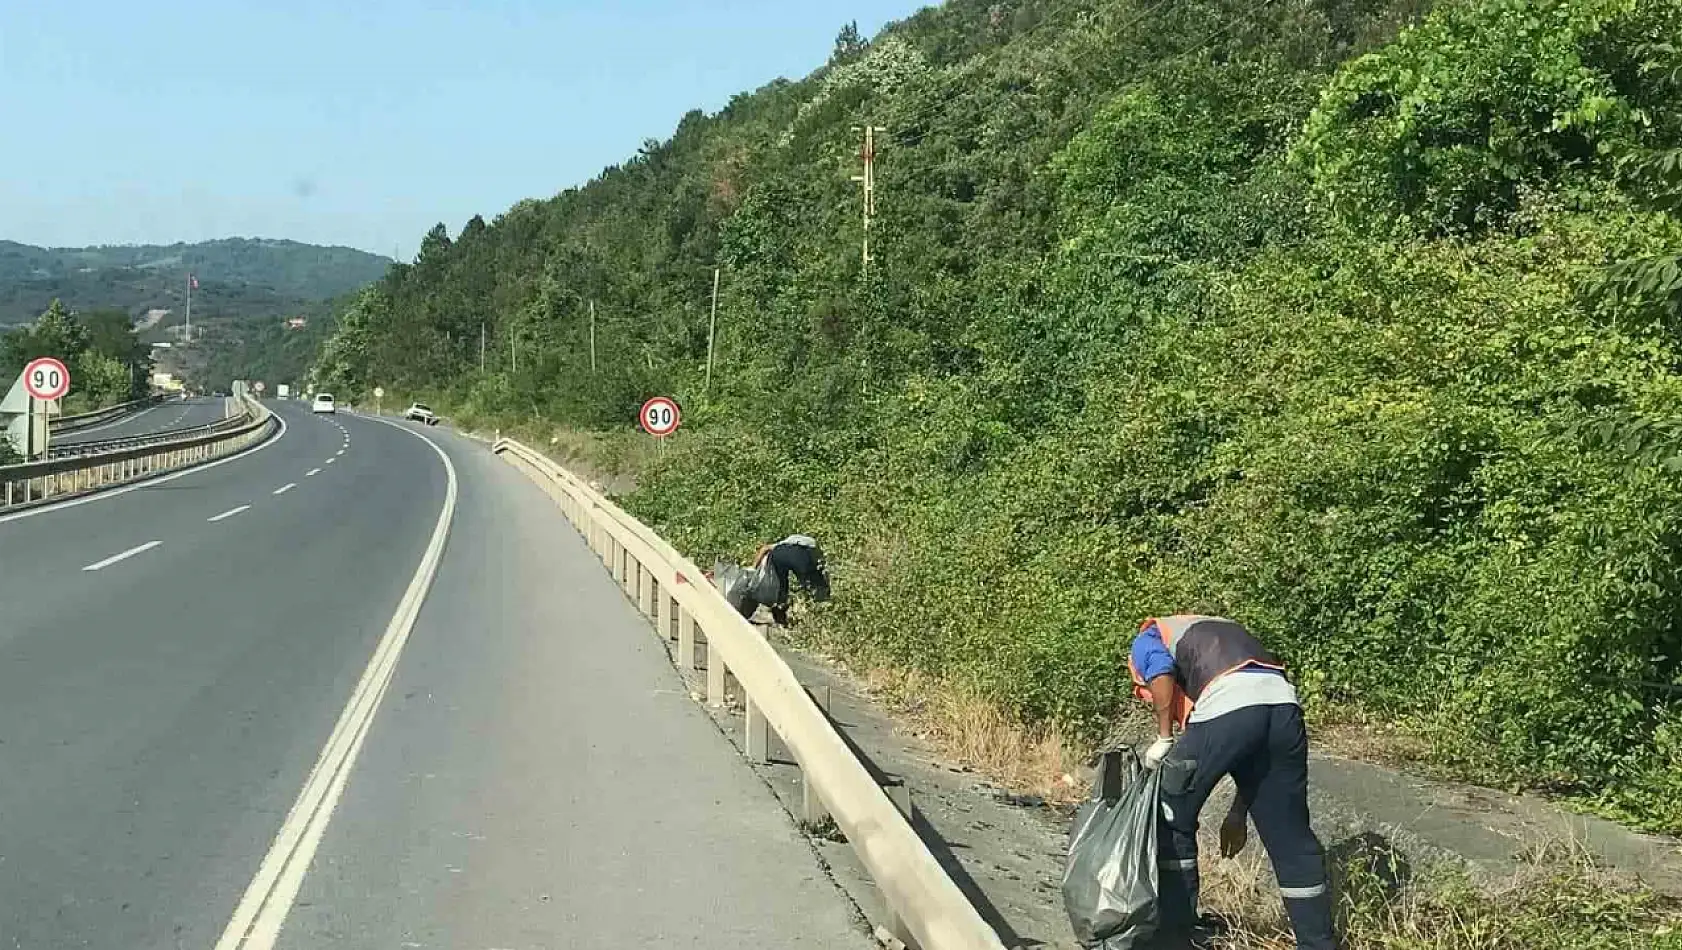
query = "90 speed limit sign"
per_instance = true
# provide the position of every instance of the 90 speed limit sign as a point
(46, 378)
(660, 417)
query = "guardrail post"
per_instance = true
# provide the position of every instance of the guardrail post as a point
(648, 591)
(758, 734)
(685, 639)
(715, 677)
(812, 808)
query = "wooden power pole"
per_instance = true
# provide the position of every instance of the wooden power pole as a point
(868, 180)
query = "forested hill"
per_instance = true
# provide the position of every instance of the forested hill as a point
(1354, 319)
(238, 277)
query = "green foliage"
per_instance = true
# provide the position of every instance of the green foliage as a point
(1266, 309)
(107, 364)
(1441, 132)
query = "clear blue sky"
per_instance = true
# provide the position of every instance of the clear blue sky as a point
(357, 122)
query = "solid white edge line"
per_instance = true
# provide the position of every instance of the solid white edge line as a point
(147, 483)
(229, 513)
(131, 552)
(256, 921)
(284, 488)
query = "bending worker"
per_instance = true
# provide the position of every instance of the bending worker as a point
(799, 555)
(1238, 716)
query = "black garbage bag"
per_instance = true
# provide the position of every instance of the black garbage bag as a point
(736, 585)
(1110, 881)
(766, 586)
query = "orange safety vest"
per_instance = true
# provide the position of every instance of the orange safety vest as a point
(1235, 651)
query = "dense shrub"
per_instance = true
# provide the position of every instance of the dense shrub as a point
(1265, 310)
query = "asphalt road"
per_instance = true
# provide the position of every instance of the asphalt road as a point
(174, 661)
(172, 414)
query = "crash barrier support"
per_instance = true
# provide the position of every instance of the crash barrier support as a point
(928, 909)
(37, 483)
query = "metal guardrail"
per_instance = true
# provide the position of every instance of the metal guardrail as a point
(85, 419)
(38, 483)
(97, 446)
(928, 908)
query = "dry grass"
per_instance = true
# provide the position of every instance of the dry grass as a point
(1557, 900)
(971, 731)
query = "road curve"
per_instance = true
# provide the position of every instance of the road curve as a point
(163, 417)
(173, 662)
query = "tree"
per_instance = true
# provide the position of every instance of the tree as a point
(848, 44)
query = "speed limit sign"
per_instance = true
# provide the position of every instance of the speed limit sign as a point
(660, 417)
(46, 378)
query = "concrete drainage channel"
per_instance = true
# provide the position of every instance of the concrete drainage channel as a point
(923, 906)
(33, 484)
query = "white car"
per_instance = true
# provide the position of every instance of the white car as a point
(323, 403)
(419, 413)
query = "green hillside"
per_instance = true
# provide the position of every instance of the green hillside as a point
(237, 277)
(1354, 319)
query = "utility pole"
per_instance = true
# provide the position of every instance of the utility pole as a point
(481, 346)
(868, 180)
(592, 336)
(712, 332)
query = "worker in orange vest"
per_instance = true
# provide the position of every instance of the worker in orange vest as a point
(1238, 715)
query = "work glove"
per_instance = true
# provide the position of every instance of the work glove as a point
(1158, 751)
(1234, 834)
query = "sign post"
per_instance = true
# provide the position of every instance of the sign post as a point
(379, 395)
(660, 417)
(44, 379)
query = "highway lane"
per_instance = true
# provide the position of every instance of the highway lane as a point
(171, 414)
(539, 776)
(174, 660)
(159, 714)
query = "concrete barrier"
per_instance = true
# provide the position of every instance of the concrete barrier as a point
(929, 911)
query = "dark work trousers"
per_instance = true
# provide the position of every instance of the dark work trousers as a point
(806, 564)
(1265, 750)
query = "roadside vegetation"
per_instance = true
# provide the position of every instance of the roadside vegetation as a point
(107, 362)
(1356, 319)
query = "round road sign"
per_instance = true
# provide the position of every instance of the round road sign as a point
(260, 387)
(379, 392)
(660, 417)
(46, 378)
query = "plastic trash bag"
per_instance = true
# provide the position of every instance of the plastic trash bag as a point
(736, 585)
(1110, 881)
(766, 587)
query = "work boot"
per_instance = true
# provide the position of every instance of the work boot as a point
(1311, 921)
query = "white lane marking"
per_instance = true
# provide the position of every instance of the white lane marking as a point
(340, 452)
(148, 483)
(330, 461)
(131, 552)
(311, 472)
(285, 488)
(229, 513)
(262, 910)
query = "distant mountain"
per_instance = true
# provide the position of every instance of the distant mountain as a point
(238, 277)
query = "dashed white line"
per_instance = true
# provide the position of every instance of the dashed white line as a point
(312, 471)
(285, 488)
(340, 452)
(228, 514)
(330, 461)
(131, 552)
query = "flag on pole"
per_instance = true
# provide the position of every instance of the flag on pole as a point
(193, 280)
